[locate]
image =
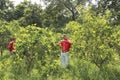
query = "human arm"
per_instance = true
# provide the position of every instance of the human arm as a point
(59, 43)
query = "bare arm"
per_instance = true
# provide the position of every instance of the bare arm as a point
(58, 44)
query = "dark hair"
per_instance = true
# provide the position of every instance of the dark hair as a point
(13, 38)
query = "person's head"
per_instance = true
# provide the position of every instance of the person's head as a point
(64, 36)
(14, 39)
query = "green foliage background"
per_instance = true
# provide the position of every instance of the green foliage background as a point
(94, 54)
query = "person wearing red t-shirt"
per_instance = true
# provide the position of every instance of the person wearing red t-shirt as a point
(65, 44)
(11, 46)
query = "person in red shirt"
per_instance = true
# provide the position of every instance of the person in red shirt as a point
(65, 44)
(11, 46)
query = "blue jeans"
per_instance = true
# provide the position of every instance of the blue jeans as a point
(64, 59)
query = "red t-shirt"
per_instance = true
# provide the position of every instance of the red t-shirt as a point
(66, 44)
(11, 46)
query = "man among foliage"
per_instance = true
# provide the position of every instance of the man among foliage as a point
(65, 44)
(11, 46)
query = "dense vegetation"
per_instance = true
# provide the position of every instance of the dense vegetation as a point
(94, 55)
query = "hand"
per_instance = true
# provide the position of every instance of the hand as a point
(58, 44)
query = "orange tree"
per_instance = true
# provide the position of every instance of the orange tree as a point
(90, 39)
(37, 48)
(7, 32)
(96, 43)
